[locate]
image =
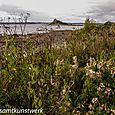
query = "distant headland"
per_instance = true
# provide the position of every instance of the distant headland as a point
(54, 22)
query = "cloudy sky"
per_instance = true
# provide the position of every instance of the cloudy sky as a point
(66, 10)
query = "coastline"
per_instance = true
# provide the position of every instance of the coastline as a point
(39, 39)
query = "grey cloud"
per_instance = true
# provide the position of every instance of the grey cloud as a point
(103, 12)
(14, 10)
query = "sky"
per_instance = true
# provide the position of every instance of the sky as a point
(65, 10)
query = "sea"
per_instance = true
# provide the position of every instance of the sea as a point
(34, 28)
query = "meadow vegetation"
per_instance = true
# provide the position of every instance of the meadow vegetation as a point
(76, 77)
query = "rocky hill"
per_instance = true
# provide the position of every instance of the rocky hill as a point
(58, 22)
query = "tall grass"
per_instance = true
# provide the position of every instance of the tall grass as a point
(76, 77)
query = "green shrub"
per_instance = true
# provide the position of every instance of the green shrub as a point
(75, 78)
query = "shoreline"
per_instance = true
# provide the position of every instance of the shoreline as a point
(39, 39)
(69, 24)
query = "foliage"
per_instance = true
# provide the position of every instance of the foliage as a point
(76, 77)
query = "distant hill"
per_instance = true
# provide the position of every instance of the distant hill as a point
(58, 22)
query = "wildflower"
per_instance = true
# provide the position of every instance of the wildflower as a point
(88, 65)
(30, 68)
(107, 91)
(90, 106)
(82, 105)
(57, 47)
(14, 69)
(94, 100)
(77, 112)
(103, 107)
(102, 85)
(100, 107)
(65, 44)
(64, 109)
(90, 73)
(75, 65)
(4, 89)
(6, 58)
(90, 113)
(92, 62)
(113, 111)
(61, 61)
(112, 70)
(64, 90)
(25, 54)
(100, 65)
(99, 89)
(75, 59)
(98, 74)
(68, 104)
(58, 62)
(60, 106)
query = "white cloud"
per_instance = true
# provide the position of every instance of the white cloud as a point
(66, 10)
(12, 11)
(62, 9)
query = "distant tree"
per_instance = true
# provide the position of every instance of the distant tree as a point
(23, 21)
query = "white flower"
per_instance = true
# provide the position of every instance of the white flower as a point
(30, 68)
(75, 60)
(99, 89)
(103, 106)
(94, 100)
(100, 65)
(98, 74)
(59, 62)
(64, 90)
(65, 44)
(92, 61)
(113, 111)
(90, 113)
(78, 113)
(90, 73)
(107, 91)
(102, 85)
(112, 70)
(75, 65)
(25, 54)
(90, 106)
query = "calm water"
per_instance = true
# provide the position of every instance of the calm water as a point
(33, 28)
